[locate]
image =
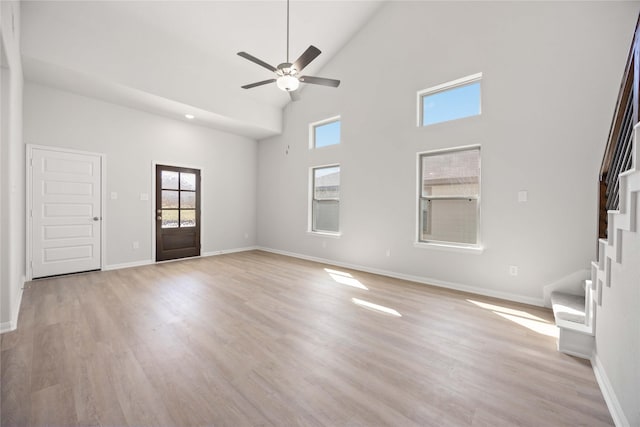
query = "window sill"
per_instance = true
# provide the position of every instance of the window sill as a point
(325, 234)
(477, 250)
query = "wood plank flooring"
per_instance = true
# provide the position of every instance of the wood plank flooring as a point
(257, 339)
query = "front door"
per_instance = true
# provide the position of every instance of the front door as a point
(177, 212)
(65, 211)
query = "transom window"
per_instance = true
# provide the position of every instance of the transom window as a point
(450, 101)
(325, 133)
(449, 196)
(325, 199)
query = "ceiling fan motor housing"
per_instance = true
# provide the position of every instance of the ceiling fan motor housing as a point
(286, 69)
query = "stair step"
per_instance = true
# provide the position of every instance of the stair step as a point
(567, 307)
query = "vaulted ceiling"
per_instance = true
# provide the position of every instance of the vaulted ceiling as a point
(177, 57)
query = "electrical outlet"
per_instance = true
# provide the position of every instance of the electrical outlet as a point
(246, 235)
(513, 270)
(136, 245)
(388, 252)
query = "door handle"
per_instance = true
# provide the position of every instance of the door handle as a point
(159, 218)
(96, 218)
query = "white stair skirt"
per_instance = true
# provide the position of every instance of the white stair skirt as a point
(575, 343)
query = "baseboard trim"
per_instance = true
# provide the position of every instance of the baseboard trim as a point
(12, 324)
(230, 251)
(619, 419)
(202, 255)
(418, 279)
(8, 326)
(127, 265)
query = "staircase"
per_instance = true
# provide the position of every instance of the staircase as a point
(575, 314)
(622, 219)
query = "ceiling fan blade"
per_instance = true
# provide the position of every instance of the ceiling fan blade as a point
(264, 82)
(309, 55)
(294, 95)
(320, 81)
(260, 62)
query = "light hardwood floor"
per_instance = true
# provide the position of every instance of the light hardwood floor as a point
(257, 339)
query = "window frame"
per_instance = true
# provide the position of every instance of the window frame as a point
(476, 247)
(463, 81)
(312, 199)
(312, 132)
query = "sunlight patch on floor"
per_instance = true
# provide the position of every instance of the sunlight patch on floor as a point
(375, 307)
(543, 328)
(345, 278)
(506, 310)
(522, 318)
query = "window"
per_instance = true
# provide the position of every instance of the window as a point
(178, 199)
(450, 101)
(325, 199)
(325, 133)
(449, 188)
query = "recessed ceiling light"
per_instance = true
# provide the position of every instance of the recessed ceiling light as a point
(190, 116)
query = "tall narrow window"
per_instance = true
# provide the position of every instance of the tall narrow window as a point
(325, 133)
(325, 199)
(449, 207)
(450, 101)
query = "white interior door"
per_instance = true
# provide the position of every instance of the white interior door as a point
(65, 212)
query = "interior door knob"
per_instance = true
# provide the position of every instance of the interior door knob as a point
(96, 218)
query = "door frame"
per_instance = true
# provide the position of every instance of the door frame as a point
(153, 213)
(29, 201)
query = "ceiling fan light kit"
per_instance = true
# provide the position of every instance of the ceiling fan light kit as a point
(287, 74)
(288, 82)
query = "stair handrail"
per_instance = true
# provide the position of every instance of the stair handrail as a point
(618, 151)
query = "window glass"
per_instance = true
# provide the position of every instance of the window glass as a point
(449, 196)
(326, 134)
(169, 199)
(187, 181)
(187, 218)
(170, 180)
(169, 218)
(178, 202)
(450, 101)
(325, 205)
(187, 200)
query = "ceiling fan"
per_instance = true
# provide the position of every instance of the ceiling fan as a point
(288, 76)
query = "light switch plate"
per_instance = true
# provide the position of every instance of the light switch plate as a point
(523, 196)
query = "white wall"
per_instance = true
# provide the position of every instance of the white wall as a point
(132, 140)
(12, 221)
(551, 72)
